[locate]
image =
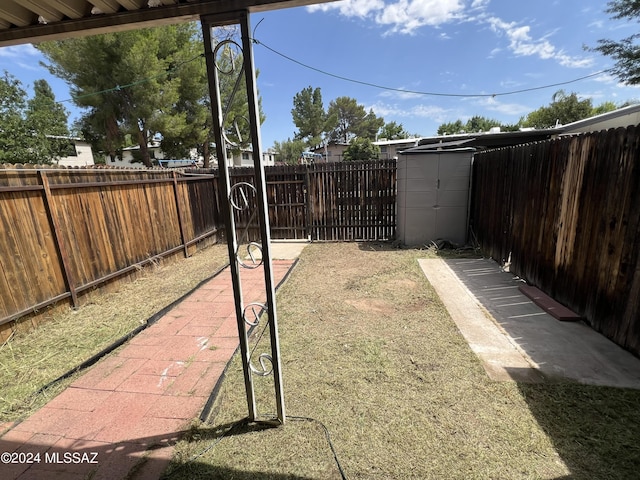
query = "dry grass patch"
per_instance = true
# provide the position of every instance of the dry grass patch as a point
(401, 392)
(29, 361)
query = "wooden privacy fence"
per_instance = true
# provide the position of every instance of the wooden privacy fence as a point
(567, 214)
(65, 231)
(324, 202)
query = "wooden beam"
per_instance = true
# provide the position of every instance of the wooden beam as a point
(72, 8)
(106, 6)
(112, 20)
(44, 9)
(133, 4)
(16, 14)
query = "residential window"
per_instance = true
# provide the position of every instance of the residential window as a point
(245, 156)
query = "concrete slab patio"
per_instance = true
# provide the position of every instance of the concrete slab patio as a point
(121, 418)
(515, 339)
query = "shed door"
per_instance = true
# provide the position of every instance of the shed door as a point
(452, 198)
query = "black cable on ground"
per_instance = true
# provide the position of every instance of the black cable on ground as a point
(269, 422)
(328, 435)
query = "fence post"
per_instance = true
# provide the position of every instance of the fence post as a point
(183, 236)
(55, 228)
(307, 206)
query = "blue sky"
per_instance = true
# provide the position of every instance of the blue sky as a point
(457, 47)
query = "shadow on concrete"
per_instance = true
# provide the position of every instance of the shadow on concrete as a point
(558, 350)
(137, 459)
(595, 430)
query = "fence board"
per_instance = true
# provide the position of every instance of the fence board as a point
(103, 222)
(97, 224)
(567, 212)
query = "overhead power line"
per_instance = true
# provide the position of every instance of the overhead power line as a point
(434, 94)
(346, 79)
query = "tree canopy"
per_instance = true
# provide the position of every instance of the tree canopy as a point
(348, 120)
(625, 52)
(289, 151)
(361, 149)
(309, 116)
(123, 79)
(393, 131)
(27, 126)
(564, 108)
(146, 84)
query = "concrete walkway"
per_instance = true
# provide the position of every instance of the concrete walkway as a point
(121, 418)
(515, 339)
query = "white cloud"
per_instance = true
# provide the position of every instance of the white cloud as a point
(19, 51)
(433, 112)
(349, 8)
(22, 56)
(400, 94)
(523, 45)
(494, 104)
(404, 16)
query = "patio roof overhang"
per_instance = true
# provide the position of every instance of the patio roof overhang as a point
(33, 21)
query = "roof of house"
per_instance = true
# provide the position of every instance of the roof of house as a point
(622, 117)
(490, 139)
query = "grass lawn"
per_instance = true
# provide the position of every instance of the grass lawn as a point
(29, 361)
(369, 350)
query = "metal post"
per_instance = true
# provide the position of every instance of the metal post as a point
(228, 204)
(227, 212)
(263, 213)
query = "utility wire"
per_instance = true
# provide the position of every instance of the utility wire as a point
(436, 94)
(171, 69)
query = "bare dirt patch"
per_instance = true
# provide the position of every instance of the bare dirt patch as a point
(372, 305)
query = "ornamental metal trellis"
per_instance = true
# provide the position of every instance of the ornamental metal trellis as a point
(222, 59)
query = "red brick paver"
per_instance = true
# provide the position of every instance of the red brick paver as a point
(121, 418)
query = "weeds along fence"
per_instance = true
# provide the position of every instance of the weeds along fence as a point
(67, 231)
(566, 212)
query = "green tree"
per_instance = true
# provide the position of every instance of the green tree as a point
(309, 115)
(46, 119)
(125, 79)
(562, 110)
(475, 124)
(348, 120)
(361, 149)
(451, 128)
(480, 124)
(289, 151)
(393, 131)
(625, 52)
(14, 139)
(604, 107)
(27, 126)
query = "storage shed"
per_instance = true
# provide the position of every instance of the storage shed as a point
(433, 194)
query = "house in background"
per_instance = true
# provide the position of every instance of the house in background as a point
(243, 158)
(331, 152)
(79, 153)
(389, 149)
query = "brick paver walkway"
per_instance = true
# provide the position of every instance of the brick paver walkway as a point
(121, 418)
